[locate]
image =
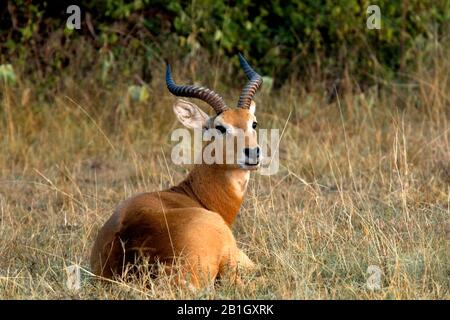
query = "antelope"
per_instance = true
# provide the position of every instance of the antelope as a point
(191, 221)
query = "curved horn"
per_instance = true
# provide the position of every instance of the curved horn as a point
(254, 82)
(202, 93)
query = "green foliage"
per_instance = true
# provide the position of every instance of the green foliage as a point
(138, 93)
(287, 38)
(7, 74)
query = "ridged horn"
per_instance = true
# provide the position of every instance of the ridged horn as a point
(202, 93)
(254, 82)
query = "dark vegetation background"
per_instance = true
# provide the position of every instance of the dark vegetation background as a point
(300, 39)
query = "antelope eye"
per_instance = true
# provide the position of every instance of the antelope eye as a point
(222, 129)
(254, 124)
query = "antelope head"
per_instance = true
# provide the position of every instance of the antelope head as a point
(230, 124)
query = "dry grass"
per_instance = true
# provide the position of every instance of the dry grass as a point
(364, 180)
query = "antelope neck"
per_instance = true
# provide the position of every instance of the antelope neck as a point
(216, 189)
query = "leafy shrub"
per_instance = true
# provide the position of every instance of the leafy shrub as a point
(287, 38)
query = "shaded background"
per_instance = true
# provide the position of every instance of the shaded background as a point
(286, 38)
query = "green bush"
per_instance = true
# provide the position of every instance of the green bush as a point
(287, 38)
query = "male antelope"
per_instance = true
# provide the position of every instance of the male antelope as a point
(191, 221)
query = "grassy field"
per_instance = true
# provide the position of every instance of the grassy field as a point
(364, 180)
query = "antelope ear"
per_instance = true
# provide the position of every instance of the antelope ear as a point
(252, 108)
(190, 115)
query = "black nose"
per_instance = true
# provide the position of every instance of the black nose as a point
(252, 152)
